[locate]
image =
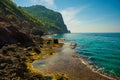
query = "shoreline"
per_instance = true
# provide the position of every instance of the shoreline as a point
(46, 52)
(56, 60)
(84, 62)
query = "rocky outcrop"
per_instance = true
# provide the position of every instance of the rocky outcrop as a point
(16, 25)
(10, 34)
(13, 66)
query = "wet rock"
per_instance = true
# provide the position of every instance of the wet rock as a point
(29, 49)
(55, 41)
(73, 45)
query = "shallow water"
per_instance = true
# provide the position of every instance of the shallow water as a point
(39, 64)
(66, 62)
(62, 56)
(102, 49)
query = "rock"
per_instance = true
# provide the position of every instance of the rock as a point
(55, 41)
(29, 48)
(11, 49)
(37, 32)
(73, 45)
(36, 50)
(10, 34)
(3, 65)
(4, 52)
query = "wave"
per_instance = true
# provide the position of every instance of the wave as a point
(96, 69)
(100, 50)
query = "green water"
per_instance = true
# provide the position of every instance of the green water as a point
(100, 49)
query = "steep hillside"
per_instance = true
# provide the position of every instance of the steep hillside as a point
(52, 20)
(16, 15)
(16, 24)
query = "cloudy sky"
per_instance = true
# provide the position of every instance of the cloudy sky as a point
(84, 15)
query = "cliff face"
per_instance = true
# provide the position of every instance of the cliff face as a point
(52, 20)
(16, 24)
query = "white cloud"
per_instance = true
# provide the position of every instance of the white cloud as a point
(75, 23)
(47, 3)
(70, 17)
(50, 2)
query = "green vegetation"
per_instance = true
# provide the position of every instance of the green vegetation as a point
(21, 44)
(15, 13)
(40, 17)
(52, 20)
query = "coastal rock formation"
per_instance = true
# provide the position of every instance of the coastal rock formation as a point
(52, 20)
(13, 66)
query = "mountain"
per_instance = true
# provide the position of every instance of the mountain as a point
(52, 20)
(16, 24)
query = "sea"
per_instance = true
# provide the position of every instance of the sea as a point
(102, 50)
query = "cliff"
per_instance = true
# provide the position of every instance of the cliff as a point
(52, 20)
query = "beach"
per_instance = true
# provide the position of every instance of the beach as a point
(56, 59)
(66, 62)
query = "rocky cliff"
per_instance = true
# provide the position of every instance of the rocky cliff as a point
(52, 20)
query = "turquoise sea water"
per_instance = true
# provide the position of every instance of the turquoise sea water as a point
(100, 49)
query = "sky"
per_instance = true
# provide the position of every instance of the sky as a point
(84, 15)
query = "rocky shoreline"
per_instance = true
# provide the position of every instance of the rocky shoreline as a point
(15, 60)
(13, 64)
(68, 63)
(16, 63)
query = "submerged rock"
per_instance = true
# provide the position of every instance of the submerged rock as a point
(73, 45)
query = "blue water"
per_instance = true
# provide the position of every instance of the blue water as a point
(101, 49)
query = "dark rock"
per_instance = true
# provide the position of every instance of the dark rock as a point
(3, 65)
(29, 48)
(37, 32)
(51, 53)
(11, 49)
(73, 45)
(28, 54)
(36, 50)
(4, 52)
(12, 34)
(55, 41)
